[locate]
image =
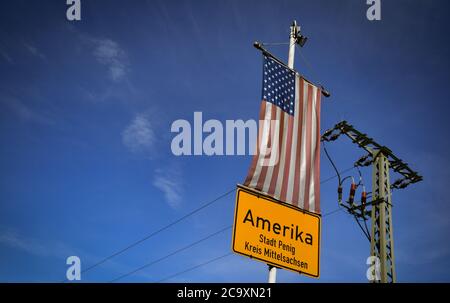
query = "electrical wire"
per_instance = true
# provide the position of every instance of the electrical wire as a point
(156, 232)
(199, 241)
(275, 44)
(361, 180)
(332, 212)
(171, 254)
(187, 247)
(308, 65)
(175, 222)
(332, 163)
(194, 267)
(367, 229)
(220, 257)
(338, 173)
(346, 178)
(334, 176)
(362, 229)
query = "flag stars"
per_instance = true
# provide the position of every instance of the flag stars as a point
(278, 85)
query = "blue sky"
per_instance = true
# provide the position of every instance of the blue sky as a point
(86, 109)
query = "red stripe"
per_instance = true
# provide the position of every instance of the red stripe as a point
(287, 162)
(276, 169)
(251, 172)
(308, 148)
(299, 111)
(262, 175)
(317, 155)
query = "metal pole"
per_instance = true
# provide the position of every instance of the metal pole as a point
(292, 41)
(272, 274)
(382, 239)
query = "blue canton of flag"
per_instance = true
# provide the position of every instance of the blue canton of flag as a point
(279, 85)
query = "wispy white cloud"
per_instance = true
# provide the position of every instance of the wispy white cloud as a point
(32, 49)
(6, 56)
(24, 112)
(139, 134)
(14, 240)
(110, 54)
(170, 183)
(50, 249)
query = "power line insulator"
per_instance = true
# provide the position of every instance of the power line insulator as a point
(351, 199)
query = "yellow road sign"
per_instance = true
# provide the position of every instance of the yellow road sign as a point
(276, 233)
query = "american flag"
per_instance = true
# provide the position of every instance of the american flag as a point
(286, 165)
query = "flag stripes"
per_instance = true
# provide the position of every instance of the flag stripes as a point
(286, 165)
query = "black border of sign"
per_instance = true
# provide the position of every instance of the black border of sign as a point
(271, 199)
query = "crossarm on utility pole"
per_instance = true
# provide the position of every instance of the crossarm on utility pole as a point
(369, 145)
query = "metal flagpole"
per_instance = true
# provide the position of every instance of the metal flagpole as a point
(272, 274)
(292, 41)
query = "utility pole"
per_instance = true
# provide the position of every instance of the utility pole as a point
(382, 236)
(295, 29)
(379, 209)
